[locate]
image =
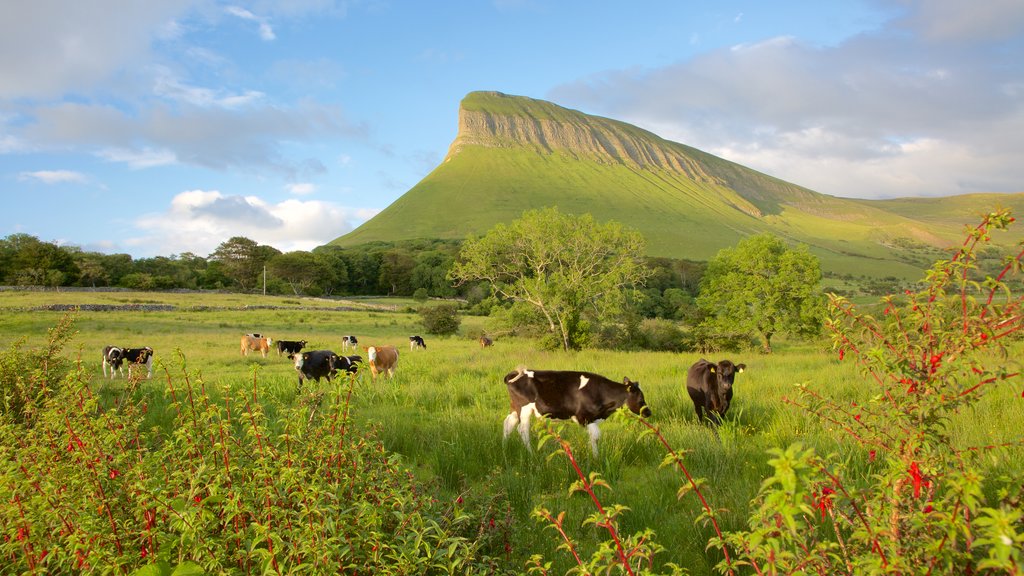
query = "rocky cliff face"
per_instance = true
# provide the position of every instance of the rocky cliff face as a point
(486, 119)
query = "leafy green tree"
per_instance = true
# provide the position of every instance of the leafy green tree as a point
(441, 319)
(243, 260)
(569, 268)
(764, 288)
(299, 269)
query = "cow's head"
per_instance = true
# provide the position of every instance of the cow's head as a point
(635, 398)
(725, 372)
(299, 358)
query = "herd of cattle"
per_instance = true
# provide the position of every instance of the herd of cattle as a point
(583, 397)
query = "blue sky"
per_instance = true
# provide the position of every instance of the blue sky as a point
(168, 126)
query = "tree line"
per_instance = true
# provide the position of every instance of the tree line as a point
(568, 280)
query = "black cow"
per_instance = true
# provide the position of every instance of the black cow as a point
(415, 341)
(710, 388)
(349, 364)
(583, 397)
(116, 357)
(290, 346)
(349, 342)
(316, 364)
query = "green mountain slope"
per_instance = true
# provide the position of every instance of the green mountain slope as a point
(514, 154)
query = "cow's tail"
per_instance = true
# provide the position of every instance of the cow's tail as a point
(520, 370)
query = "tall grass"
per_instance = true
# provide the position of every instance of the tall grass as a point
(443, 411)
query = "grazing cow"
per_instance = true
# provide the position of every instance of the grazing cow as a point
(584, 397)
(349, 364)
(316, 364)
(710, 388)
(117, 357)
(416, 341)
(485, 342)
(290, 346)
(349, 342)
(382, 360)
(255, 342)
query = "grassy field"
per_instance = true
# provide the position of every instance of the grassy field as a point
(443, 411)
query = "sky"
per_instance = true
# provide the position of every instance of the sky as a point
(166, 127)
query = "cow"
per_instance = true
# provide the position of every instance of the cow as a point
(382, 360)
(290, 346)
(112, 358)
(116, 357)
(349, 364)
(255, 342)
(485, 342)
(710, 388)
(349, 342)
(315, 364)
(417, 342)
(583, 397)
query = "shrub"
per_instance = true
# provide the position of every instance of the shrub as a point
(441, 319)
(225, 490)
(911, 499)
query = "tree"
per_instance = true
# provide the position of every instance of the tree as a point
(568, 268)
(243, 259)
(299, 269)
(763, 287)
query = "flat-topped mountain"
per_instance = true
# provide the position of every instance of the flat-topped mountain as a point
(514, 154)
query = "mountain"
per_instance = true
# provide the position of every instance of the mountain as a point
(514, 154)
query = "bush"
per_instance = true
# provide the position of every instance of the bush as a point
(226, 489)
(441, 319)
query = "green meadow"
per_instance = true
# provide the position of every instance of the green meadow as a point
(443, 411)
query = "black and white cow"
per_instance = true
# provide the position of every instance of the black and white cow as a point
(349, 342)
(584, 397)
(316, 364)
(417, 342)
(710, 388)
(349, 364)
(290, 346)
(116, 357)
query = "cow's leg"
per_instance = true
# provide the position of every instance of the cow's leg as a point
(524, 423)
(510, 423)
(595, 433)
(149, 367)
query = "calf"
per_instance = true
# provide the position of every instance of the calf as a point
(710, 388)
(290, 346)
(116, 358)
(485, 342)
(112, 358)
(417, 342)
(584, 397)
(349, 364)
(255, 342)
(348, 342)
(382, 360)
(316, 364)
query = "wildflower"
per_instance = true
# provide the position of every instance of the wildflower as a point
(825, 501)
(871, 456)
(918, 479)
(841, 353)
(22, 533)
(114, 473)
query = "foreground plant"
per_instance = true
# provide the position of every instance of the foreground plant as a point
(227, 490)
(911, 499)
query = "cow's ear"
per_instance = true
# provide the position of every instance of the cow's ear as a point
(741, 367)
(627, 383)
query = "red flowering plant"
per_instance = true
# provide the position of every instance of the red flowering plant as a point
(911, 495)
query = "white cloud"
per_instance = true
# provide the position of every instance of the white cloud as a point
(266, 31)
(908, 110)
(198, 221)
(302, 189)
(54, 177)
(142, 158)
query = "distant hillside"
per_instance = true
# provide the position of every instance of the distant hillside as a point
(514, 153)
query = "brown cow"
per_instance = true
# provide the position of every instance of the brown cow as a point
(382, 360)
(255, 342)
(485, 342)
